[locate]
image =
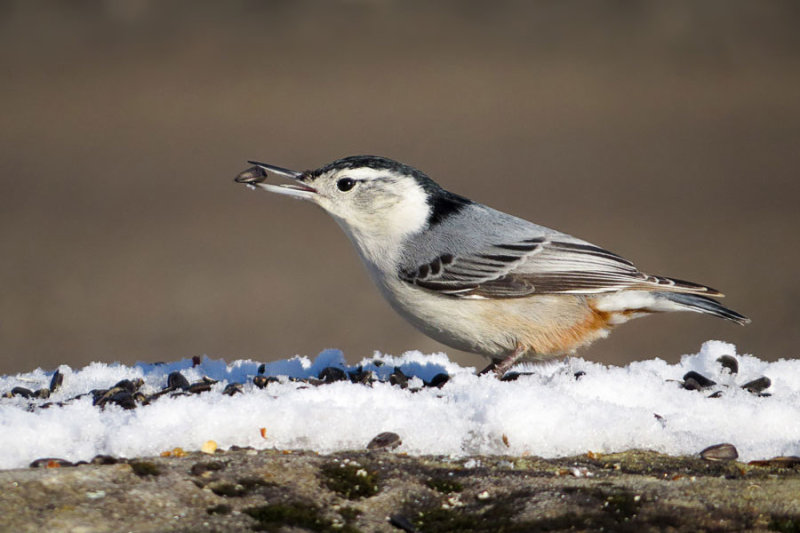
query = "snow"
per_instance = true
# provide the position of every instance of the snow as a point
(550, 413)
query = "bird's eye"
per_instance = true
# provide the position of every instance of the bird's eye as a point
(345, 184)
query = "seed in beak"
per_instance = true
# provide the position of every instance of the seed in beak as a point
(251, 176)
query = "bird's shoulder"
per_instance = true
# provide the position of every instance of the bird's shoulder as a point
(472, 229)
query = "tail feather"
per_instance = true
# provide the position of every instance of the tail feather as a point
(704, 304)
(682, 286)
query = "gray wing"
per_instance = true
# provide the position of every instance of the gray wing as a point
(550, 264)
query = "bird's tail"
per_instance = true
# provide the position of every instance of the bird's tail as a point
(703, 304)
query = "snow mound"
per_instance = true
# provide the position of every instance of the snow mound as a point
(560, 409)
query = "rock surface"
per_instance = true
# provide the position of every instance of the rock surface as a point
(245, 490)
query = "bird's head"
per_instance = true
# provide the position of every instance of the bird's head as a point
(375, 200)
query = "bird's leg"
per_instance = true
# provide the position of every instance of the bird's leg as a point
(503, 366)
(506, 364)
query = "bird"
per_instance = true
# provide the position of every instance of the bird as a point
(477, 279)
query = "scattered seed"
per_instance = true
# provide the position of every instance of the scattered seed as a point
(174, 452)
(175, 380)
(720, 452)
(397, 378)
(116, 395)
(56, 381)
(129, 385)
(200, 386)
(695, 381)
(104, 460)
(50, 462)
(263, 381)
(438, 380)
(729, 362)
(233, 388)
(331, 374)
(784, 461)
(757, 386)
(385, 441)
(514, 376)
(21, 391)
(364, 377)
(124, 399)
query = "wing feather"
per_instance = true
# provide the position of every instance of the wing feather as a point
(538, 265)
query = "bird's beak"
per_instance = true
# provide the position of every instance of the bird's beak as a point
(257, 175)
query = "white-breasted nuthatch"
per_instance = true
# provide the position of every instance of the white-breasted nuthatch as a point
(475, 278)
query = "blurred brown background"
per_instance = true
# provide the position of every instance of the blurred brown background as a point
(668, 132)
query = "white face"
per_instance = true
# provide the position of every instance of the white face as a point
(376, 208)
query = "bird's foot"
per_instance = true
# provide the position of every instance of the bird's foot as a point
(500, 368)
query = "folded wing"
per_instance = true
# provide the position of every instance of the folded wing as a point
(538, 265)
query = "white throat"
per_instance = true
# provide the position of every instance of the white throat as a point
(379, 234)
